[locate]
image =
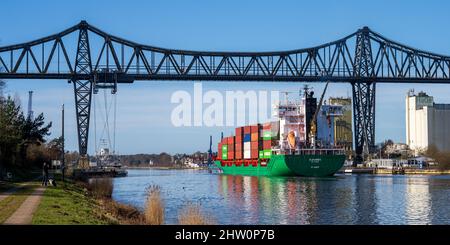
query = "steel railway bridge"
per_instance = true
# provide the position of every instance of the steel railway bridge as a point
(92, 59)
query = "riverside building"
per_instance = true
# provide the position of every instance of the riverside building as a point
(427, 123)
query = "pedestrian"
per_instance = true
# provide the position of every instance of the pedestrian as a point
(45, 174)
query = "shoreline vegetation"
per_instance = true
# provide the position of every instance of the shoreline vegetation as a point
(91, 203)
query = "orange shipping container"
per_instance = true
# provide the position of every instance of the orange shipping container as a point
(254, 136)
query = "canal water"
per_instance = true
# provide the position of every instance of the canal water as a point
(343, 199)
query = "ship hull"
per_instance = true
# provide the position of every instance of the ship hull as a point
(289, 165)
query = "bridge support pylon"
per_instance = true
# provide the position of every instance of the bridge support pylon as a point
(363, 97)
(83, 89)
(364, 119)
(83, 95)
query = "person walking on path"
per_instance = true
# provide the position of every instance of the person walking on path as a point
(45, 174)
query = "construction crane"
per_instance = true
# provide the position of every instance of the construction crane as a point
(313, 129)
(30, 105)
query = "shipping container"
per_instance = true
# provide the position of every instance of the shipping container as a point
(267, 153)
(224, 156)
(247, 138)
(267, 135)
(254, 145)
(239, 132)
(224, 148)
(247, 154)
(254, 128)
(267, 144)
(254, 154)
(254, 136)
(219, 151)
(230, 140)
(238, 154)
(247, 146)
(230, 155)
(247, 130)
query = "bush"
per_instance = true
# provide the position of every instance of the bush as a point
(154, 206)
(101, 187)
(441, 157)
(191, 215)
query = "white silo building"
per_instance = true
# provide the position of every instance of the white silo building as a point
(427, 123)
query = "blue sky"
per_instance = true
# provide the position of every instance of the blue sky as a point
(144, 108)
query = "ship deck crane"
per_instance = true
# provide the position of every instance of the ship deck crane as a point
(313, 129)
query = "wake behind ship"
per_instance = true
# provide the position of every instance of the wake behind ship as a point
(288, 146)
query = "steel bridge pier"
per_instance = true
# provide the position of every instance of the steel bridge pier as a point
(364, 119)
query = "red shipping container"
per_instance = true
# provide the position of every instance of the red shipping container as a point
(238, 147)
(238, 154)
(267, 144)
(238, 140)
(238, 131)
(219, 151)
(254, 154)
(267, 126)
(230, 140)
(247, 129)
(224, 141)
(254, 128)
(254, 136)
(254, 145)
(230, 147)
(230, 155)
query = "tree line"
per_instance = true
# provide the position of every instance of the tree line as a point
(22, 138)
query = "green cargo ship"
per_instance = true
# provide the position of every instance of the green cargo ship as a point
(310, 165)
(281, 147)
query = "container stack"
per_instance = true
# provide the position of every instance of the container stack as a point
(250, 142)
(239, 140)
(225, 149)
(247, 142)
(266, 132)
(254, 139)
(219, 151)
(230, 148)
(270, 138)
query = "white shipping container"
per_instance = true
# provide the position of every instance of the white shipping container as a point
(247, 154)
(247, 146)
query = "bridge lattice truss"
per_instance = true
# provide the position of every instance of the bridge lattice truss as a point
(93, 59)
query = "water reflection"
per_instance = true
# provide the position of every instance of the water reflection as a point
(354, 199)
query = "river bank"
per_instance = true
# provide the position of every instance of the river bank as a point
(411, 171)
(74, 203)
